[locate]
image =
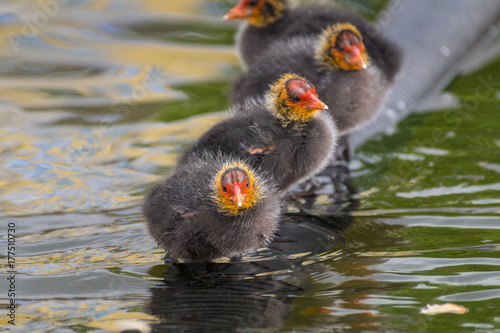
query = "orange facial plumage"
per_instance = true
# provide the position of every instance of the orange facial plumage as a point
(293, 99)
(236, 189)
(258, 13)
(341, 47)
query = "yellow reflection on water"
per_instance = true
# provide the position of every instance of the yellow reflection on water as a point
(93, 313)
(199, 62)
(180, 7)
(82, 258)
(125, 321)
(82, 173)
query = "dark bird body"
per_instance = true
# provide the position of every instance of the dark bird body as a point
(288, 154)
(310, 21)
(276, 40)
(187, 221)
(353, 97)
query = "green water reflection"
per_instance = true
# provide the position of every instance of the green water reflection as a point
(202, 98)
(447, 160)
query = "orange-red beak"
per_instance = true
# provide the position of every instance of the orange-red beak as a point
(240, 11)
(355, 57)
(238, 197)
(314, 104)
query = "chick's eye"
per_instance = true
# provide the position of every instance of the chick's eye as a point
(253, 3)
(296, 98)
(224, 189)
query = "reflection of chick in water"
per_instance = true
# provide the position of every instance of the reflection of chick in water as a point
(221, 304)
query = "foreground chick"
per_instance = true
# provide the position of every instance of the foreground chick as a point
(212, 206)
(336, 62)
(281, 133)
(268, 21)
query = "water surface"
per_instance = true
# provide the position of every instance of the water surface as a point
(98, 99)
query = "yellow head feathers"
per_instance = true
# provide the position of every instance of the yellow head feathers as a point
(293, 99)
(236, 188)
(341, 47)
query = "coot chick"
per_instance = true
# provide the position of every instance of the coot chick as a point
(281, 133)
(338, 65)
(272, 20)
(212, 206)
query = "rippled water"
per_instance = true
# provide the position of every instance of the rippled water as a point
(98, 97)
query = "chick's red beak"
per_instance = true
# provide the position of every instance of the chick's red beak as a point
(240, 11)
(355, 57)
(238, 197)
(314, 104)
